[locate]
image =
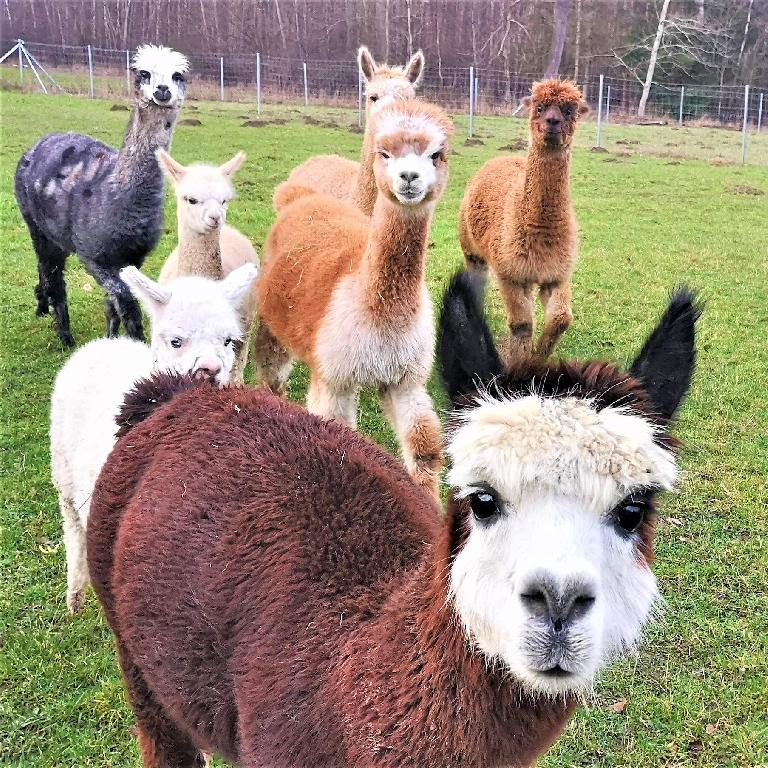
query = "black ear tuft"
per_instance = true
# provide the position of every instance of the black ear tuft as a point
(468, 356)
(666, 362)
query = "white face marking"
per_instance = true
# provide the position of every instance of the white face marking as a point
(558, 468)
(202, 197)
(160, 73)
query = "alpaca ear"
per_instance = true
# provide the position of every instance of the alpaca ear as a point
(468, 356)
(231, 167)
(667, 360)
(583, 108)
(238, 284)
(151, 294)
(365, 62)
(415, 68)
(526, 102)
(173, 169)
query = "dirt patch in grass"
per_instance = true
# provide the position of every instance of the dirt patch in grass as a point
(263, 123)
(355, 128)
(309, 120)
(473, 142)
(119, 108)
(514, 146)
(190, 121)
(745, 189)
(598, 149)
(627, 141)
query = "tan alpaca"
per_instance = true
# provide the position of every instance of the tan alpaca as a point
(342, 178)
(207, 245)
(347, 294)
(517, 217)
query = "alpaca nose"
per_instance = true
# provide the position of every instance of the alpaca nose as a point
(558, 604)
(207, 367)
(409, 176)
(163, 93)
(553, 122)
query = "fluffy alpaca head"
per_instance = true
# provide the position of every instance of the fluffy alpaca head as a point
(160, 75)
(411, 152)
(195, 321)
(203, 192)
(555, 468)
(554, 108)
(385, 84)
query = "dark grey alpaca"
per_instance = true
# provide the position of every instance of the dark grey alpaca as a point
(79, 195)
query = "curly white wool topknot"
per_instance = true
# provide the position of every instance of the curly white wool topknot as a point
(158, 58)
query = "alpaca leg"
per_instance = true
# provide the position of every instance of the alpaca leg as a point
(51, 290)
(161, 743)
(332, 404)
(113, 318)
(410, 411)
(556, 298)
(122, 301)
(272, 360)
(518, 299)
(77, 562)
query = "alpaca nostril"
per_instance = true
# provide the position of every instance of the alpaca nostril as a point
(553, 121)
(548, 601)
(409, 176)
(162, 93)
(207, 367)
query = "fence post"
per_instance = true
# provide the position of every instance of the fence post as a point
(745, 126)
(600, 113)
(471, 98)
(221, 78)
(128, 70)
(359, 98)
(20, 42)
(90, 72)
(258, 84)
(607, 103)
(306, 87)
(682, 98)
(759, 113)
(477, 94)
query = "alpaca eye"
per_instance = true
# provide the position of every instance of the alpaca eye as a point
(176, 342)
(483, 505)
(373, 98)
(227, 341)
(144, 75)
(539, 109)
(192, 200)
(385, 155)
(630, 515)
(177, 77)
(436, 156)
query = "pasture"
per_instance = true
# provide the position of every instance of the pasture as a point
(661, 207)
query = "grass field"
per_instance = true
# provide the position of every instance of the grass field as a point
(664, 206)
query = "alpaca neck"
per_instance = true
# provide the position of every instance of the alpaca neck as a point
(546, 196)
(415, 667)
(394, 262)
(150, 129)
(199, 254)
(365, 194)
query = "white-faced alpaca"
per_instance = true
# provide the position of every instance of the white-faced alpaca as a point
(194, 324)
(208, 246)
(347, 294)
(342, 178)
(79, 195)
(517, 217)
(404, 640)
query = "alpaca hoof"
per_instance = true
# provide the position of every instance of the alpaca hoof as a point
(42, 310)
(75, 601)
(67, 339)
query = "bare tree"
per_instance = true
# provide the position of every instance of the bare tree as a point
(561, 8)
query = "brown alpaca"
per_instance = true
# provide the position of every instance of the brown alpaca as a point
(347, 294)
(342, 178)
(296, 601)
(517, 217)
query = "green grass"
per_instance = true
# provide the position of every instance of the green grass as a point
(646, 226)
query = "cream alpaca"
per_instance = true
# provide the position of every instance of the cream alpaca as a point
(342, 178)
(517, 217)
(207, 245)
(347, 294)
(194, 324)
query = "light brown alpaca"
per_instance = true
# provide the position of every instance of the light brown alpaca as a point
(342, 178)
(209, 247)
(517, 217)
(347, 294)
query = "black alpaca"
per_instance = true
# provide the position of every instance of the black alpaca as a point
(80, 195)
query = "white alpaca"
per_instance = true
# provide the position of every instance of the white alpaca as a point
(208, 246)
(194, 324)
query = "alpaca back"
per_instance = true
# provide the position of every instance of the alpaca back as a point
(326, 175)
(307, 528)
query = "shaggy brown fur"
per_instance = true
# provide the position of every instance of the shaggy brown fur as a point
(517, 218)
(342, 178)
(296, 615)
(325, 261)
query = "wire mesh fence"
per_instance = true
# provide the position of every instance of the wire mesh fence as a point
(89, 71)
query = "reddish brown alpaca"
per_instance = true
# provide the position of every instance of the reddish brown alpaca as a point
(517, 217)
(296, 600)
(347, 294)
(346, 179)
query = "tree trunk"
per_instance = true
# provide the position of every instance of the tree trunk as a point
(746, 32)
(652, 60)
(578, 42)
(559, 29)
